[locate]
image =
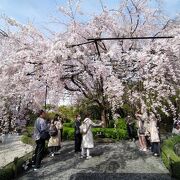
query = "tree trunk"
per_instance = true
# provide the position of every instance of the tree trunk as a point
(104, 117)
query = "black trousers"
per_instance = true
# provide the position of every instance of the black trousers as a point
(39, 152)
(130, 131)
(78, 139)
(155, 147)
(61, 131)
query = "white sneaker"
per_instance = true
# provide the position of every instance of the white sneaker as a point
(52, 155)
(88, 157)
(35, 169)
(82, 156)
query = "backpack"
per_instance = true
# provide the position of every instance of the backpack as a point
(53, 131)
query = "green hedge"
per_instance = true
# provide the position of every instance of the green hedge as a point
(170, 159)
(68, 133)
(121, 124)
(69, 124)
(112, 133)
(118, 134)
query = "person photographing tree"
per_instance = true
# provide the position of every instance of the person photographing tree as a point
(87, 136)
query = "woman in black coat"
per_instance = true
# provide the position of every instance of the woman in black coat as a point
(77, 134)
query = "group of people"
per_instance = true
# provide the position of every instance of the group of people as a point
(53, 133)
(147, 132)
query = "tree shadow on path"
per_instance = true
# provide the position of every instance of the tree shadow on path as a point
(110, 161)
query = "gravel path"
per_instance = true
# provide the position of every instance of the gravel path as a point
(110, 162)
(12, 147)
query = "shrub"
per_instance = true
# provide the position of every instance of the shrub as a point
(69, 124)
(118, 133)
(27, 140)
(121, 124)
(27, 135)
(30, 130)
(112, 133)
(68, 133)
(121, 134)
(170, 159)
(111, 124)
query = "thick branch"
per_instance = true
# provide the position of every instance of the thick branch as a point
(70, 88)
(3, 33)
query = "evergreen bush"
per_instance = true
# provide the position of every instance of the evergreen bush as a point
(170, 158)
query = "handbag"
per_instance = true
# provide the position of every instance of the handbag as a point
(83, 129)
(53, 131)
(44, 135)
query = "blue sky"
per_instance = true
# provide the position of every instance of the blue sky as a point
(40, 11)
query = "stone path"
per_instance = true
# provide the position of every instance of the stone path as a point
(12, 147)
(110, 162)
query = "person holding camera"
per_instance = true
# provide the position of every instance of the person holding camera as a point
(87, 136)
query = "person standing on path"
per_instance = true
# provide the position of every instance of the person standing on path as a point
(176, 126)
(54, 143)
(154, 135)
(141, 132)
(60, 120)
(87, 136)
(77, 134)
(40, 126)
(129, 124)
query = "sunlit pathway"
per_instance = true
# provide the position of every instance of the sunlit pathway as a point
(110, 161)
(12, 147)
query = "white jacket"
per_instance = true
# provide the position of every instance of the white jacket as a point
(87, 139)
(154, 133)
